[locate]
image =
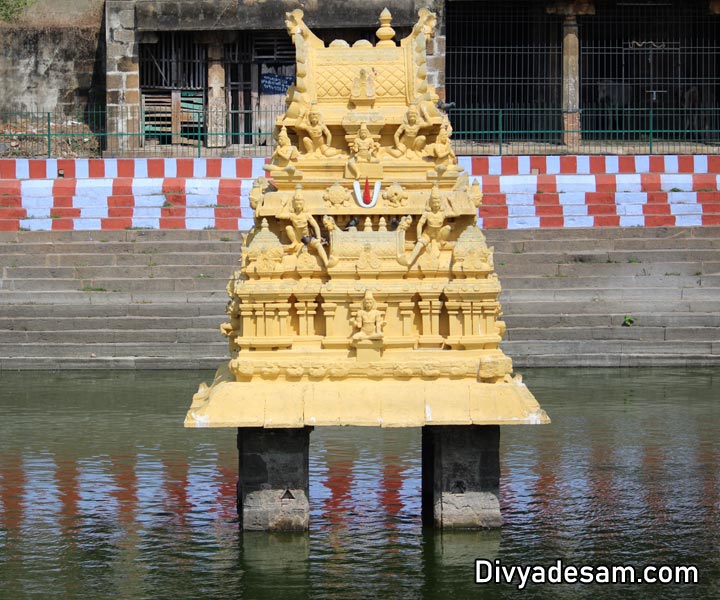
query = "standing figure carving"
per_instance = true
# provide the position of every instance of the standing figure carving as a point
(298, 231)
(431, 228)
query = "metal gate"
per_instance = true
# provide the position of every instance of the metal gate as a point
(173, 83)
(503, 71)
(649, 71)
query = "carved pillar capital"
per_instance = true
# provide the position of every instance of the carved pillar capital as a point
(571, 8)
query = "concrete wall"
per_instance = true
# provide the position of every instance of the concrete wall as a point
(195, 15)
(519, 192)
(52, 56)
(45, 69)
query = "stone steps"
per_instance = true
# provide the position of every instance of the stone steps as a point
(566, 295)
(595, 306)
(200, 282)
(75, 350)
(638, 332)
(541, 321)
(25, 323)
(79, 260)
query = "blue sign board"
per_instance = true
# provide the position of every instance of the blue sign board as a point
(271, 83)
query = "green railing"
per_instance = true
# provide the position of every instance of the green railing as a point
(595, 131)
(189, 133)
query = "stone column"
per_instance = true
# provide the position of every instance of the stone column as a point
(247, 310)
(461, 476)
(435, 48)
(217, 100)
(407, 314)
(430, 312)
(306, 308)
(273, 484)
(455, 318)
(259, 318)
(122, 78)
(571, 10)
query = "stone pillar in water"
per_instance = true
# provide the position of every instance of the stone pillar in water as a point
(461, 476)
(273, 487)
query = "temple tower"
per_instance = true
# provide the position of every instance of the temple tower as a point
(366, 293)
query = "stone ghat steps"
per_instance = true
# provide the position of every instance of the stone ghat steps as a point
(155, 299)
(616, 297)
(24, 321)
(65, 358)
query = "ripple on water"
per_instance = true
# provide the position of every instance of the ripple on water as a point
(103, 495)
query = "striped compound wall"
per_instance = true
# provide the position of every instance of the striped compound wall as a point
(520, 192)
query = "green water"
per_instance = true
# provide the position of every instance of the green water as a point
(103, 494)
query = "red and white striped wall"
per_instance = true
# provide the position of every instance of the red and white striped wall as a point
(519, 192)
(103, 194)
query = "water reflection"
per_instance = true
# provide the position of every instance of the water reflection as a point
(104, 495)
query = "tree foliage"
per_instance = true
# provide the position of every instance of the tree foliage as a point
(11, 9)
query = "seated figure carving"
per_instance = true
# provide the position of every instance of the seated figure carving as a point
(363, 148)
(316, 137)
(284, 156)
(408, 141)
(441, 151)
(369, 320)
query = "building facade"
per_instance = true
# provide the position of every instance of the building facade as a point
(528, 76)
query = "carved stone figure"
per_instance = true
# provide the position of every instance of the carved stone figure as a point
(369, 320)
(317, 138)
(363, 90)
(431, 228)
(441, 151)
(408, 141)
(284, 156)
(256, 192)
(298, 231)
(363, 148)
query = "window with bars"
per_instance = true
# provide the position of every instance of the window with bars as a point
(503, 69)
(652, 60)
(176, 61)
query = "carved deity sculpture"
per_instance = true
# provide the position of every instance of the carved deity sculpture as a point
(441, 151)
(316, 137)
(284, 155)
(408, 141)
(363, 149)
(369, 320)
(256, 192)
(298, 231)
(431, 228)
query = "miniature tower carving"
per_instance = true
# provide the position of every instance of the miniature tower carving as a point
(366, 293)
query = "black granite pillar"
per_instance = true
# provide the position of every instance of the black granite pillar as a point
(461, 476)
(273, 484)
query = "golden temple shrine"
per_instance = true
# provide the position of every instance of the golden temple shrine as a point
(366, 293)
